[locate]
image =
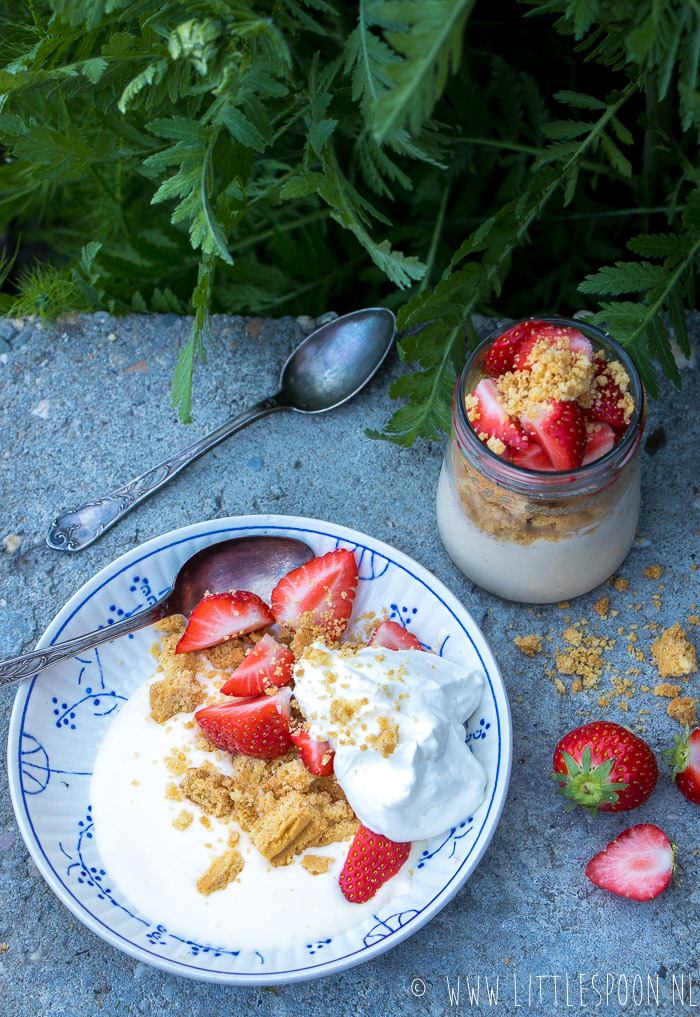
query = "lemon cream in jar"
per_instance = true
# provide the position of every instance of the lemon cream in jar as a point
(539, 494)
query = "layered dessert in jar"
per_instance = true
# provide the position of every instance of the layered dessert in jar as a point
(539, 494)
(274, 782)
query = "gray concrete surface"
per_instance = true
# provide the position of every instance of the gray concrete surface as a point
(85, 405)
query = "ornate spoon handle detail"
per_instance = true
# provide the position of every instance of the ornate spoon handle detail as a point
(31, 663)
(77, 528)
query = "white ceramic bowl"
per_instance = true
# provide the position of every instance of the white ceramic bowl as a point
(60, 717)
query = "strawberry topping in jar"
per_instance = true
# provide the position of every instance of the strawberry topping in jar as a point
(538, 499)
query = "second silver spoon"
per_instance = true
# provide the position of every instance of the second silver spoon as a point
(329, 367)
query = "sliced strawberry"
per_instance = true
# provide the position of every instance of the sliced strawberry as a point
(394, 637)
(318, 594)
(555, 335)
(500, 356)
(372, 860)
(639, 864)
(222, 615)
(316, 756)
(488, 417)
(258, 726)
(560, 429)
(600, 439)
(268, 665)
(609, 403)
(532, 458)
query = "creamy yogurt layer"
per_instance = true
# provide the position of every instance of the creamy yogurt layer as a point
(153, 867)
(395, 720)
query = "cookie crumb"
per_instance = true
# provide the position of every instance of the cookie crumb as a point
(669, 691)
(674, 654)
(222, 871)
(316, 864)
(182, 820)
(602, 606)
(530, 645)
(683, 710)
(654, 572)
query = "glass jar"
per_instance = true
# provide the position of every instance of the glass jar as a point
(533, 536)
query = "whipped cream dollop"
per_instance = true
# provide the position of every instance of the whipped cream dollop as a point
(395, 720)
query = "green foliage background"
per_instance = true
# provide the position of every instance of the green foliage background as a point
(290, 156)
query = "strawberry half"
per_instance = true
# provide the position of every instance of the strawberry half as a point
(255, 727)
(532, 458)
(560, 429)
(684, 757)
(393, 636)
(604, 766)
(268, 665)
(501, 353)
(222, 615)
(542, 331)
(316, 756)
(638, 864)
(609, 401)
(488, 417)
(372, 860)
(600, 439)
(318, 594)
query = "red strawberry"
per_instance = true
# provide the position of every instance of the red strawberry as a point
(372, 860)
(604, 766)
(600, 439)
(560, 429)
(499, 358)
(316, 756)
(609, 401)
(222, 615)
(258, 726)
(489, 417)
(318, 594)
(684, 757)
(268, 665)
(542, 331)
(532, 458)
(394, 637)
(638, 864)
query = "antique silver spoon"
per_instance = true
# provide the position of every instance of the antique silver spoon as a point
(243, 563)
(329, 367)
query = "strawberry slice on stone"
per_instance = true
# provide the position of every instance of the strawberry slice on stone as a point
(372, 860)
(393, 636)
(316, 756)
(489, 418)
(268, 664)
(638, 864)
(560, 429)
(257, 726)
(318, 594)
(221, 616)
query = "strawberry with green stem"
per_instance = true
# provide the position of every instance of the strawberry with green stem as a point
(684, 757)
(604, 766)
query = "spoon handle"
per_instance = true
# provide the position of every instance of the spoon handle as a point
(77, 528)
(31, 663)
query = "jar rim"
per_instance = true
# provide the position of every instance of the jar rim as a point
(523, 478)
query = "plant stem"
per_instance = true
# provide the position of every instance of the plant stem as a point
(435, 240)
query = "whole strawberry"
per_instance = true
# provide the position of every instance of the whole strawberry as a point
(684, 757)
(604, 766)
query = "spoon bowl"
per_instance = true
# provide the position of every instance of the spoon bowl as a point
(333, 363)
(243, 563)
(329, 367)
